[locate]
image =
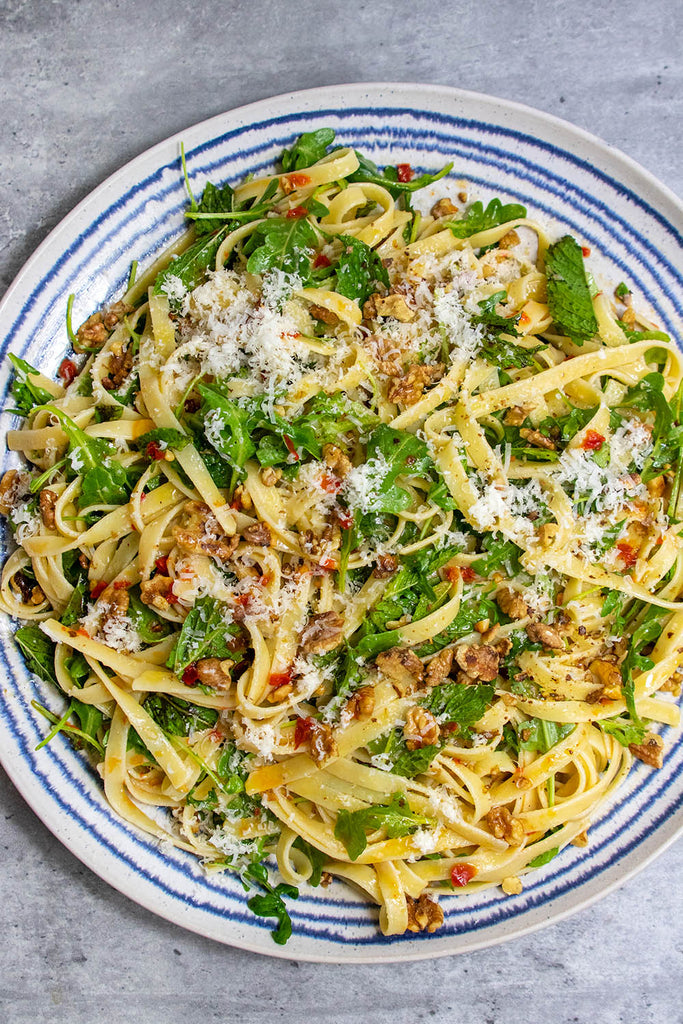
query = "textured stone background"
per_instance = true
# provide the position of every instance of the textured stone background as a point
(87, 86)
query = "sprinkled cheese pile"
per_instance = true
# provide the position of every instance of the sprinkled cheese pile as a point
(363, 482)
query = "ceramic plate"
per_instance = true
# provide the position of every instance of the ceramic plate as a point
(563, 176)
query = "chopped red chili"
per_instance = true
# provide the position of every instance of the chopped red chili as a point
(467, 574)
(97, 588)
(585, 250)
(191, 675)
(154, 451)
(121, 585)
(461, 874)
(303, 730)
(593, 441)
(162, 565)
(276, 679)
(321, 260)
(299, 180)
(296, 213)
(404, 172)
(67, 370)
(330, 484)
(290, 447)
(627, 553)
(345, 518)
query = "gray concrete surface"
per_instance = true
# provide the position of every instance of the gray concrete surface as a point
(88, 85)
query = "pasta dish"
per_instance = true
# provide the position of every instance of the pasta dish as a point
(350, 536)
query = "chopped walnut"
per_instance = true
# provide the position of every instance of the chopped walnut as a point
(118, 368)
(48, 500)
(323, 314)
(270, 476)
(421, 729)
(280, 693)
(537, 439)
(444, 208)
(581, 840)
(439, 667)
(629, 316)
(325, 879)
(322, 633)
(115, 602)
(462, 196)
(540, 633)
(511, 603)
(115, 313)
(157, 592)
(13, 487)
(385, 566)
(609, 677)
(325, 544)
(361, 703)
(199, 533)
(336, 460)
(650, 751)
(258, 534)
(402, 666)
(35, 596)
(674, 685)
(212, 672)
(504, 826)
(424, 914)
(656, 486)
(242, 499)
(547, 533)
(388, 305)
(322, 742)
(509, 239)
(91, 334)
(479, 661)
(408, 389)
(515, 416)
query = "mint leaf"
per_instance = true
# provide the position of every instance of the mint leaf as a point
(282, 244)
(479, 219)
(360, 270)
(569, 297)
(395, 818)
(308, 149)
(461, 703)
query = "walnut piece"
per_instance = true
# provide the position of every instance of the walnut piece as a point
(511, 885)
(537, 439)
(199, 533)
(362, 703)
(409, 388)
(388, 305)
(322, 743)
(421, 729)
(385, 566)
(13, 487)
(479, 661)
(118, 368)
(609, 677)
(540, 633)
(515, 416)
(323, 314)
(212, 672)
(511, 603)
(439, 667)
(322, 633)
(509, 239)
(157, 592)
(402, 666)
(270, 476)
(115, 602)
(258, 534)
(424, 914)
(48, 500)
(443, 208)
(91, 334)
(335, 460)
(650, 751)
(504, 826)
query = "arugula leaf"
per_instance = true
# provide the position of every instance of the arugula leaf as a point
(151, 627)
(191, 266)
(544, 858)
(177, 717)
(609, 538)
(489, 318)
(403, 453)
(308, 149)
(204, 634)
(90, 718)
(38, 651)
(77, 602)
(369, 171)
(471, 610)
(498, 553)
(407, 763)
(105, 481)
(502, 353)
(271, 904)
(229, 422)
(647, 632)
(26, 393)
(542, 735)
(214, 200)
(479, 219)
(282, 244)
(569, 297)
(457, 702)
(395, 818)
(623, 730)
(164, 437)
(360, 270)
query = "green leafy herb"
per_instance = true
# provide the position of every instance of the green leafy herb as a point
(569, 297)
(271, 903)
(624, 730)
(360, 270)
(282, 244)
(647, 632)
(165, 438)
(537, 734)
(544, 858)
(38, 650)
(230, 433)
(25, 391)
(214, 200)
(105, 481)
(177, 717)
(150, 626)
(191, 266)
(369, 171)
(459, 703)
(479, 219)
(498, 553)
(308, 149)
(622, 290)
(395, 818)
(205, 633)
(316, 858)
(403, 453)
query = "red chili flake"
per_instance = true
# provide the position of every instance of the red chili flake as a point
(461, 874)
(404, 172)
(276, 679)
(121, 585)
(298, 180)
(296, 213)
(593, 441)
(585, 251)
(452, 573)
(97, 589)
(290, 447)
(303, 730)
(328, 563)
(345, 518)
(216, 735)
(627, 553)
(154, 451)
(467, 574)
(83, 632)
(330, 484)
(191, 675)
(321, 260)
(162, 565)
(67, 370)
(524, 319)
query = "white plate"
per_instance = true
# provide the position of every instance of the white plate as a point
(562, 175)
